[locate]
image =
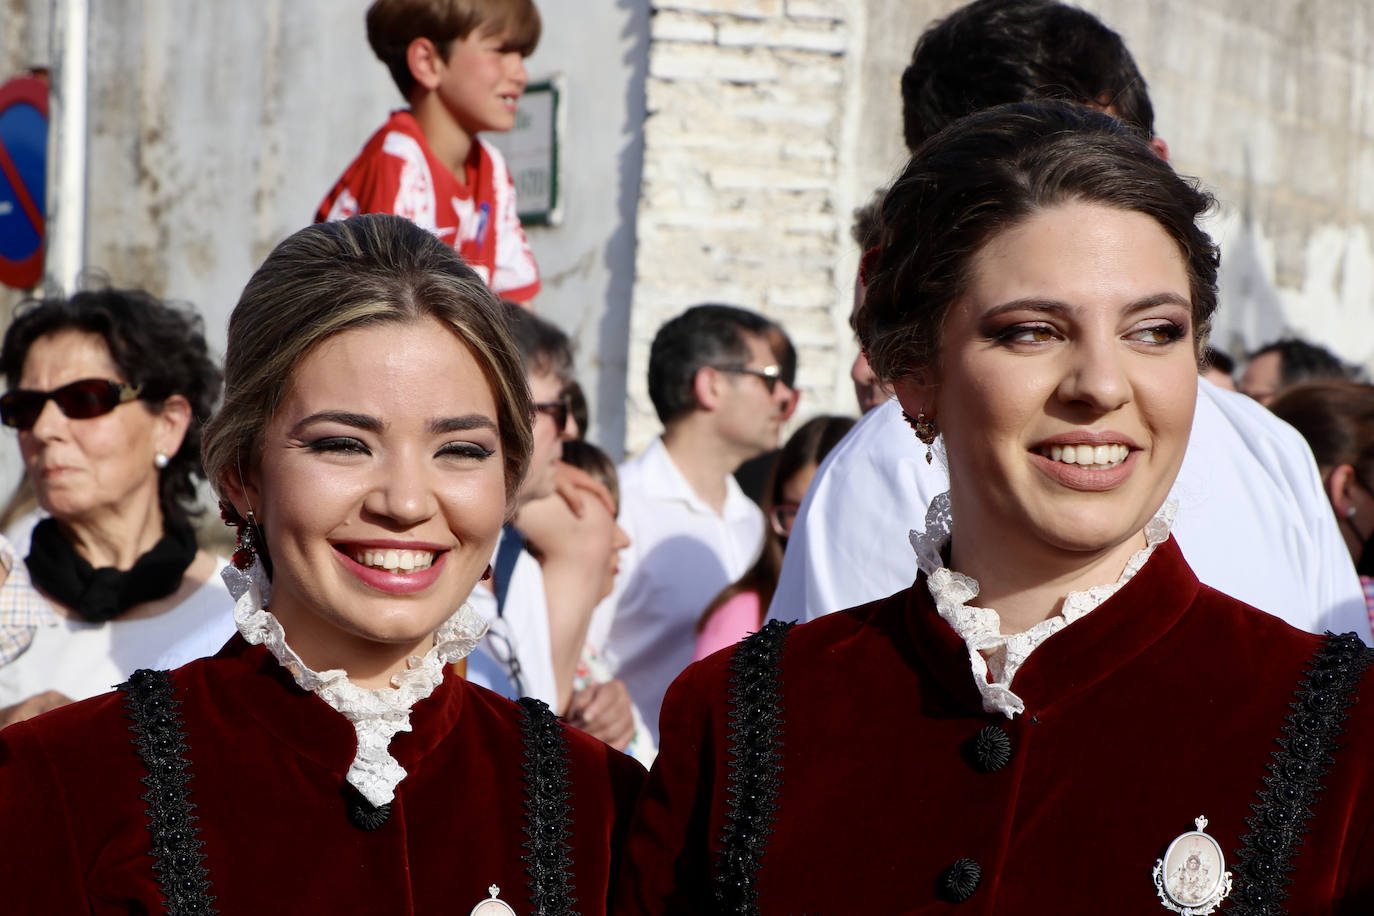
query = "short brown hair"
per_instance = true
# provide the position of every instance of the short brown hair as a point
(393, 24)
(333, 277)
(989, 173)
(1337, 420)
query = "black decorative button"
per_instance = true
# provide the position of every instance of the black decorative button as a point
(990, 749)
(960, 880)
(362, 813)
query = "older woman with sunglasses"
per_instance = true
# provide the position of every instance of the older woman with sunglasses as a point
(106, 392)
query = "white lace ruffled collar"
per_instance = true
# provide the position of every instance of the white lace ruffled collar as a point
(377, 714)
(993, 657)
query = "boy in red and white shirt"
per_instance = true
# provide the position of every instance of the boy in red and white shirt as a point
(460, 64)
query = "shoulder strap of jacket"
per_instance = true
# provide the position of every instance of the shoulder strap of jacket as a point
(160, 737)
(548, 810)
(754, 748)
(1283, 812)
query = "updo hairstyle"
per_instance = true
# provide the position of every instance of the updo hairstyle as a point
(988, 173)
(334, 277)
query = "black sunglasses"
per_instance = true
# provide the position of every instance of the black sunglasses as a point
(771, 375)
(90, 397)
(557, 411)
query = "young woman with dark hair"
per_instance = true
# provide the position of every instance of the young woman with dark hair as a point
(1056, 715)
(739, 609)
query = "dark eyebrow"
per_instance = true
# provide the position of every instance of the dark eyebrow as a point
(357, 420)
(1056, 307)
(459, 424)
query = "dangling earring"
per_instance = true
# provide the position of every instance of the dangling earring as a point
(247, 542)
(924, 427)
(486, 573)
(160, 460)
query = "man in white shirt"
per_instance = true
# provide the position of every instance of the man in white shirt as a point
(717, 386)
(1253, 521)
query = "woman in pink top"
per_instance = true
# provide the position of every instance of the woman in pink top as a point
(738, 610)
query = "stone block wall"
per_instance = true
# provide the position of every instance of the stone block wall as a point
(769, 120)
(746, 192)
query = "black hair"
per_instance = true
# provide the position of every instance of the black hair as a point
(544, 348)
(1337, 420)
(1220, 360)
(992, 52)
(156, 346)
(1300, 361)
(589, 457)
(986, 174)
(704, 335)
(812, 441)
(578, 407)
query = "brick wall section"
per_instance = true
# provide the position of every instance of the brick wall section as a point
(742, 197)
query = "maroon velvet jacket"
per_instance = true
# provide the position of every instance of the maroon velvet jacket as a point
(267, 768)
(1163, 704)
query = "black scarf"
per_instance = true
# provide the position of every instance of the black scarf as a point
(99, 595)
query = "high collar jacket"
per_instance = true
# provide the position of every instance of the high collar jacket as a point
(1164, 704)
(267, 763)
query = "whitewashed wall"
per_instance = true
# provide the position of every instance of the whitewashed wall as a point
(216, 127)
(771, 119)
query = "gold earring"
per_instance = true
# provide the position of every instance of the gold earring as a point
(924, 427)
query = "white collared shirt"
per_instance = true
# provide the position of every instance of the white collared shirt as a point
(681, 554)
(1253, 520)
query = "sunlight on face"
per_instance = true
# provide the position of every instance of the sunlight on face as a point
(1066, 383)
(81, 469)
(380, 491)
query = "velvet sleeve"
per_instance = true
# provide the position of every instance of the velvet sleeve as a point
(665, 867)
(40, 871)
(1358, 896)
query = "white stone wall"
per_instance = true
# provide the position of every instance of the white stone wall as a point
(770, 120)
(746, 195)
(215, 129)
(1271, 104)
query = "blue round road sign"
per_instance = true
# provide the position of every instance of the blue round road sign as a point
(23, 179)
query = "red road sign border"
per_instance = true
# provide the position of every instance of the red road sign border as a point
(31, 90)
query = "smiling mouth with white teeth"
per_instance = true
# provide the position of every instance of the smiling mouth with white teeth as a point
(394, 561)
(1086, 456)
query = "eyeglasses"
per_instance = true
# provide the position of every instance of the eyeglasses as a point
(782, 517)
(557, 410)
(771, 375)
(502, 649)
(90, 397)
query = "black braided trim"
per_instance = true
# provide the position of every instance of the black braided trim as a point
(548, 810)
(1309, 737)
(161, 742)
(755, 761)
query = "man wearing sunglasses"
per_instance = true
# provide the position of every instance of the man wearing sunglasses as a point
(523, 650)
(721, 385)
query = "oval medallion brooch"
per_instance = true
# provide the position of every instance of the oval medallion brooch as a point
(1192, 878)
